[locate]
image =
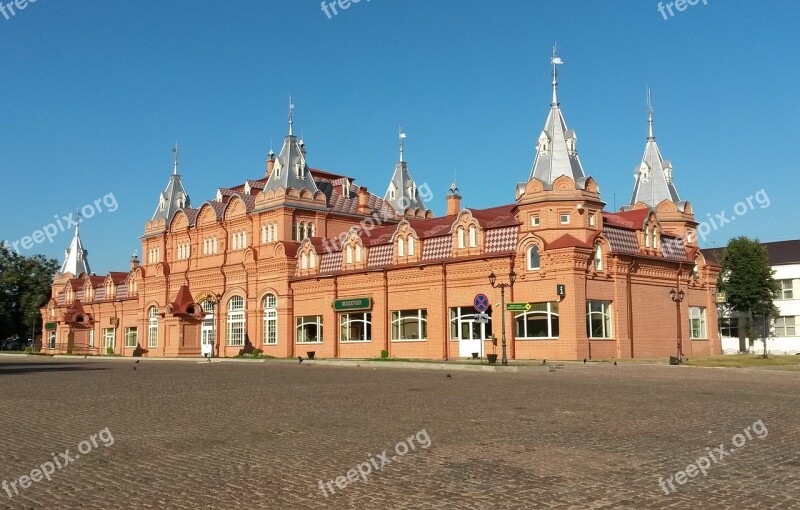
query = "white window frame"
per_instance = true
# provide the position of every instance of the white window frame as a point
(460, 231)
(531, 266)
(551, 313)
(698, 329)
(561, 217)
(473, 236)
(236, 322)
(270, 319)
(152, 327)
(131, 333)
(535, 222)
(783, 327)
(401, 247)
(461, 316)
(604, 314)
(787, 289)
(598, 257)
(346, 318)
(304, 320)
(402, 317)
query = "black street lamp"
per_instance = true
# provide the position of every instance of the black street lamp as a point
(677, 297)
(512, 277)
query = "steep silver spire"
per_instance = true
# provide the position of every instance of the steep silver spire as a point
(402, 192)
(291, 169)
(174, 197)
(75, 257)
(653, 176)
(556, 148)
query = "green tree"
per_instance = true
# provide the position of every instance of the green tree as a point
(748, 279)
(24, 288)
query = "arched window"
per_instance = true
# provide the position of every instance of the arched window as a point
(234, 241)
(265, 231)
(152, 327)
(244, 239)
(310, 229)
(358, 253)
(312, 260)
(270, 319)
(304, 261)
(647, 238)
(401, 247)
(410, 245)
(214, 245)
(598, 257)
(460, 237)
(303, 232)
(236, 321)
(655, 238)
(534, 260)
(473, 236)
(349, 252)
(274, 231)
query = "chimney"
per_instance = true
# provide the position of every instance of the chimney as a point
(270, 162)
(453, 201)
(363, 201)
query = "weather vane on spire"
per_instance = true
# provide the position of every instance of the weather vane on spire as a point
(291, 116)
(175, 153)
(556, 61)
(402, 138)
(650, 113)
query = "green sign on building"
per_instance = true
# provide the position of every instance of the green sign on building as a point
(518, 307)
(352, 304)
(49, 326)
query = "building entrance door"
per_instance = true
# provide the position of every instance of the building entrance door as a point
(469, 333)
(207, 330)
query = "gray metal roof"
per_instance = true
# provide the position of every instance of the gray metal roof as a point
(402, 192)
(75, 257)
(556, 151)
(291, 169)
(174, 197)
(654, 182)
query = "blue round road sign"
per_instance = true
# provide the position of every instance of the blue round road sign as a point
(481, 303)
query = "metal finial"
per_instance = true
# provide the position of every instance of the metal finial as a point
(175, 152)
(291, 116)
(556, 61)
(402, 138)
(651, 136)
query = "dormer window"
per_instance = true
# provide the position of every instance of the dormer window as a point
(473, 236)
(401, 247)
(411, 245)
(543, 144)
(598, 257)
(644, 172)
(461, 237)
(349, 252)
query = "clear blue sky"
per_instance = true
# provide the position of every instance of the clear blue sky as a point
(95, 93)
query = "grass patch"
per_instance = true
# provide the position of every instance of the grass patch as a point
(744, 361)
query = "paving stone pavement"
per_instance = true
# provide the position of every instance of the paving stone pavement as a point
(192, 435)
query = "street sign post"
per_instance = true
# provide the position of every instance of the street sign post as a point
(481, 318)
(481, 303)
(518, 307)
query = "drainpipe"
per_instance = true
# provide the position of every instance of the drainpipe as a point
(224, 281)
(335, 324)
(386, 319)
(629, 292)
(446, 312)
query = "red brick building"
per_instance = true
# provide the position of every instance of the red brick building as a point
(305, 260)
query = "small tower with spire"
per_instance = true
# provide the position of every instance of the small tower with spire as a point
(290, 169)
(174, 196)
(75, 257)
(655, 188)
(402, 193)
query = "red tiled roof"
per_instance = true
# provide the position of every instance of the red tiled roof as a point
(567, 241)
(633, 219)
(502, 239)
(118, 277)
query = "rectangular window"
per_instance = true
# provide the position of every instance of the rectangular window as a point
(534, 221)
(109, 335)
(410, 325)
(540, 321)
(785, 326)
(51, 339)
(309, 329)
(565, 219)
(591, 219)
(729, 327)
(131, 338)
(355, 327)
(697, 323)
(598, 319)
(787, 289)
(91, 338)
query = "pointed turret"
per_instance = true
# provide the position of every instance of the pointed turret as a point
(289, 169)
(653, 176)
(75, 257)
(402, 192)
(556, 153)
(174, 197)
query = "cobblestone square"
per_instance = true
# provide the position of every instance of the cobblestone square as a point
(272, 435)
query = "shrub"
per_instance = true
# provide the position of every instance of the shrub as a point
(110, 351)
(384, 354)
(257, 353)
(29, 350)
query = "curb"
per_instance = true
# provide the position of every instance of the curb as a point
(432, 366)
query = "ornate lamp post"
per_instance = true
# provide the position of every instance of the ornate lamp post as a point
(677, 297)
(512, 277)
